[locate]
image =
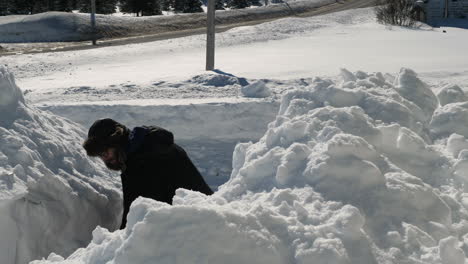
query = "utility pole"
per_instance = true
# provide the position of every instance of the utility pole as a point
(446, 9)
(210, 36)
(93, 21)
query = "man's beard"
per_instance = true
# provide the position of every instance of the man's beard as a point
(118, 164)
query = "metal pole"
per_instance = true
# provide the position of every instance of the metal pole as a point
(93, 21)
(210, 36)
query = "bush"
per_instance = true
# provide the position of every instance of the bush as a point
(396, 12)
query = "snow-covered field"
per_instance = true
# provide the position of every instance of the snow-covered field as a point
(360, 166)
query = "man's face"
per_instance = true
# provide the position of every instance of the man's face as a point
(111, 158)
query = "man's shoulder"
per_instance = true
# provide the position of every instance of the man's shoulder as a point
(158, 135)
(145, 138)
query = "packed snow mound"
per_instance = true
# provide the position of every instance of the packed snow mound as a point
(347, 173)
(216, 80)
(257, 90)
(51, 195)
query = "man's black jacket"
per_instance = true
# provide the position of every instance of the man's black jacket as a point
(156, 167)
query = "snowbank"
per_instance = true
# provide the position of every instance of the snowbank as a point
(219, 119)
(51, 195)
(45, 27)
(347, 173)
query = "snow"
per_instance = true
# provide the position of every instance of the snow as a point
(330, 181)
(51, 195)
(368, 166)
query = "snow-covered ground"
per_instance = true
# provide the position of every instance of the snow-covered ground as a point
(285, 49)
(343, 167)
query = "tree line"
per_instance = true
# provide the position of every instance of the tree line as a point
(137, 7)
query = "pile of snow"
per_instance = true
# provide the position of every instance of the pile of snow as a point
(51, 195)
(350, 171)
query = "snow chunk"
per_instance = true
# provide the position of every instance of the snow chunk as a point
(451, 94)
(450, 252)
(347, 76)
(412, 88)
(257, 89)
(449, 119)
(456, 143)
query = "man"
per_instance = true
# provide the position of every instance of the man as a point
(152, 165)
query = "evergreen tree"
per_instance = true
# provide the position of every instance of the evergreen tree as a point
(143, 7)
(237, 4)
(131, 6)
(102, 6)
(188, 6)
(254, 3)
(167, 5)
(4, 7)
(179, 5)
(193, 6)
(127, 6)
(61, 5)
(34, 6)
(152, 8)
(21, 7)
(219, 5)
(74, 4)
(39, 6)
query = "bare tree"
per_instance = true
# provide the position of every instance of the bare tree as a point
(396, 12)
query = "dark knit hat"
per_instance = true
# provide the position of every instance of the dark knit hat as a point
(103, 134)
